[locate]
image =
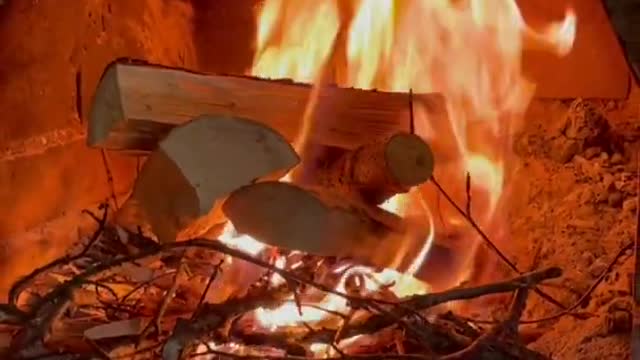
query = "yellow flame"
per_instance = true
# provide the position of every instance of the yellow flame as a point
(468, 50)
(291, 54)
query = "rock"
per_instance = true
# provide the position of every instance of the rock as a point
(630, 205)
(618, 319)
(601, 194)
(598, 266)
(586, 211)
(563, 150)
(611, 105)
(587, 258)
(592, 152)
(587, 196)
(584, 123)
(608, 181)
(615, 199)
(616, 159)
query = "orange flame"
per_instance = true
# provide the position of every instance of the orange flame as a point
(468, 50)
(290, 54)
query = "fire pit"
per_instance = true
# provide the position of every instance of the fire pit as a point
(360, 189)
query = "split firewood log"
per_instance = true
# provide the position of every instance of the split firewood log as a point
(316, 221)
(375, 172)
(135, 105)
(196, 165)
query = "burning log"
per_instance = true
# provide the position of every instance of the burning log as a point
(315, 221)
(137, 105)
(374, 172)
(197, 164)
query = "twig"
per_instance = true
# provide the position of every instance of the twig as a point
(143, 284)
(166, 300)
(501, 334)
(19, 286)
(412, 125)
(586, 294)
(112, 187)
(212, 316)
(523, 281)
(490, 243)
(577, 303)
(519, 304)
(214, 274)
(292, 357)
(416, 303)
(468, 192)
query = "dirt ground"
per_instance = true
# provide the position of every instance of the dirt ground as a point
(573, 204)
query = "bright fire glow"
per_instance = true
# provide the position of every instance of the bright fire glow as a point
(467, 50)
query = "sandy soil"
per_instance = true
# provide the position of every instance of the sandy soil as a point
(576, 208)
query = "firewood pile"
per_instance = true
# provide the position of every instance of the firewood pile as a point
(153, 283)
(122, 295)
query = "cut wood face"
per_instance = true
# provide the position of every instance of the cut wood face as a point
(288, 216)
(410, 159)
(219, 154)
(200, 163)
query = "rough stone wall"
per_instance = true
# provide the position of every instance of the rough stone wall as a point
(51, 58)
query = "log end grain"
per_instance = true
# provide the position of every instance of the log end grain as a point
(409, 159)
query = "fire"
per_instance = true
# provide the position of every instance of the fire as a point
(468, 50)
(289, 54)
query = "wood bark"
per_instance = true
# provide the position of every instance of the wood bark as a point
(197, 164)
(375, 172)
(137, 105)
(316, 221)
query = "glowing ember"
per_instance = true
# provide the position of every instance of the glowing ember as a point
(469, 51)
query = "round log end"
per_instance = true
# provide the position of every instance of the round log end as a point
(409, 159)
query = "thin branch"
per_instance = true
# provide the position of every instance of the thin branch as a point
(211, 316)
(292, 357)
(587, 293)
(490, 243)
(110, 181)
(19, 286)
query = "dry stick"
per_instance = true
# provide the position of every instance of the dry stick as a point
(214, 316)
(490, 243)
(468, 217)
(143, 284)
(487, 341)
(412, 125)
(166, 300)
(110, 181)
(578, 302)
(18, 287)
(523, 281)
(416, 303)
(52, 304)
(584, 296)
(214, 274)
(468, 191)
(341, 357)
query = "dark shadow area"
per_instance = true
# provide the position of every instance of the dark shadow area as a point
(223, 35)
